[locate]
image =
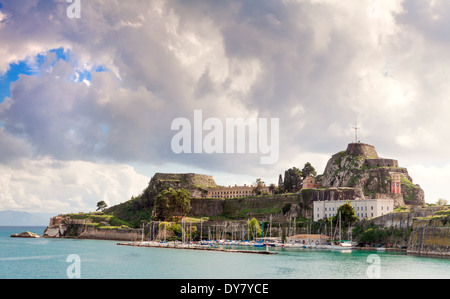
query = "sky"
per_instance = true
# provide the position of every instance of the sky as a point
(89, 92)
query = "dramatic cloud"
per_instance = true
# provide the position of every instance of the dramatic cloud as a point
(125, 70)
(55, 186)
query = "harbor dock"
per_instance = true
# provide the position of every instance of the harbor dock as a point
(193, 246)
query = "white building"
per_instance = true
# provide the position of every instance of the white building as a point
(364, 208)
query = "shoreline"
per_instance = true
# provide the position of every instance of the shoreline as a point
(390, 249)
(223, 249)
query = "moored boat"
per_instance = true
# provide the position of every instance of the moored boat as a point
(343, 246)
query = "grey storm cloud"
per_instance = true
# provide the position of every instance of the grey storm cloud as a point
(305, 62)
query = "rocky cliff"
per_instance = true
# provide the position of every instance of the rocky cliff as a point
(360, 167)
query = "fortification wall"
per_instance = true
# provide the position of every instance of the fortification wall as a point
(119, 234)
(186, 179)
(381, 162)
(262, 206)
(402, 220)
(254, 206)
(362, 149)
(343, 193)
(430, 237)
(206, 206)
(78, 229)
(396, 220)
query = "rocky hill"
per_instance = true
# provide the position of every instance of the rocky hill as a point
(194, 183)
(140, 207)
(360, 167)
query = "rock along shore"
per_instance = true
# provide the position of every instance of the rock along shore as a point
(26, 234)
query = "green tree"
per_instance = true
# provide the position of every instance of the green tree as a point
(348, 215)
(101, 205)
(254, 230)
(170, 203)
(441, 202)
(308, 170)
(272, 188)
(259, 184)
(292, 180)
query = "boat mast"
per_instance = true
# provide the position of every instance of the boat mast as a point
(340, 232)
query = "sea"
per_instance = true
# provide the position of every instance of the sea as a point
(42, 258)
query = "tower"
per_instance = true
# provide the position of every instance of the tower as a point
(395, 183)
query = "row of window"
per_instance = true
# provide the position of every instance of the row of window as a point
(227, 196)
(231, 192)
(357, 208)
(360, 215)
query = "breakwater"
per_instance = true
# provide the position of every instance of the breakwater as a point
(177, 245)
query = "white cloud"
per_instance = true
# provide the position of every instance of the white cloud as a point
(49, 185)
(433, 179)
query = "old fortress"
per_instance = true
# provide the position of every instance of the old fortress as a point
(374, 186)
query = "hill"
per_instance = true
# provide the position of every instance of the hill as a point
(360, 167)
(140, 207)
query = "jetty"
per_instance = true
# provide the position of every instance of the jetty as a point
(193, 246)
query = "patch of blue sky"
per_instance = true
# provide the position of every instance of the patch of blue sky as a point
(12, 75)
(32, 66)
(86, 75)
(29, 67)
(61, 53)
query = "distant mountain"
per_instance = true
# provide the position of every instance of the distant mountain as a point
(16, 218)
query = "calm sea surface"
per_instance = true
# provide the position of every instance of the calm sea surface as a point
(47, 258)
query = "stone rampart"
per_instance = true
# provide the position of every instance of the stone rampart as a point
(381, 162)
(362, 149)
(430, 237)
(119, 234)
(252, 206)
(78, 228)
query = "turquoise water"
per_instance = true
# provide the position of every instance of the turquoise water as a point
(47, 258)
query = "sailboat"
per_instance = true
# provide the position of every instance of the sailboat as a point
(346, 245)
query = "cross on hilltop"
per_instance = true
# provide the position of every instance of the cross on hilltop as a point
(356, 132)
